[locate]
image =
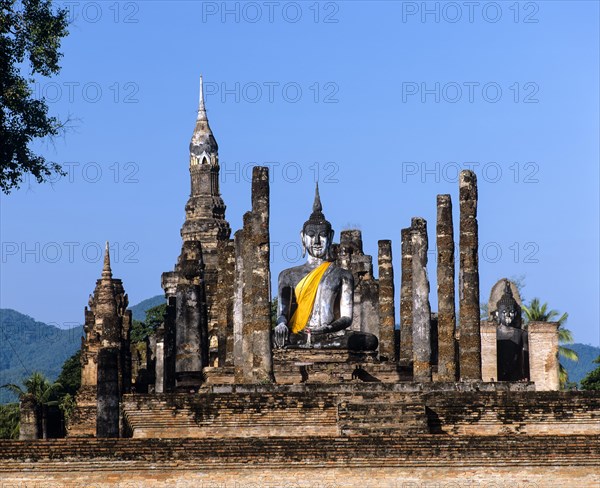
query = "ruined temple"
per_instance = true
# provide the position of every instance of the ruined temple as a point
(105, 359)
(332, 393)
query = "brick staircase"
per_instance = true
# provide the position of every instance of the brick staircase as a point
(230, 415)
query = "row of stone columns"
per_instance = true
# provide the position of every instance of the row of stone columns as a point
(454, 362)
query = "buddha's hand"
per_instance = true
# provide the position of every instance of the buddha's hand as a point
(281, 335)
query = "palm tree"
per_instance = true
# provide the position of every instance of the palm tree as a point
(538, 312)
(41, 392)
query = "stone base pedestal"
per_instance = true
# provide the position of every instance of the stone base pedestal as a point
(293, 366)
(219, 376)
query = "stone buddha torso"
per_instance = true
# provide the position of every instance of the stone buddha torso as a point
(315, 299)
(333, 297)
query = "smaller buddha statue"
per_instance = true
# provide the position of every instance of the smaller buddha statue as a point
(511, 338)
(316, 299)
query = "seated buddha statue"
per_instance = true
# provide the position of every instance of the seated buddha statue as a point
(512, 343)
(315, 300)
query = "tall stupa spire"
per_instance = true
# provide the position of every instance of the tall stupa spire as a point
(203, 140)
(205, 210)
(106, 270)
(201, 107)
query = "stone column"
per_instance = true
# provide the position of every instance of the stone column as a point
(256, 293)
(421, 308)
(225, 293)
(238, 308)
(248, 255)
(191, 337)
(489, 354)
(469, 318)
(387, 308)
(365, 311)
(543, 355)
(406, 339)
(28, 421)
(159, 359)
(169, 345)
(107, 414)
(445, 290)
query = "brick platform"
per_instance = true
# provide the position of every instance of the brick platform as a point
(370, 409)
(515, 461)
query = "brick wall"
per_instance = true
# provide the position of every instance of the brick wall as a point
(508, 461)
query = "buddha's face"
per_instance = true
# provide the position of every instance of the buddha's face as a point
(504, 315)
(317, 240)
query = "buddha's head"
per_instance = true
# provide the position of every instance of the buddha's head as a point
(508, 312)
(317, 234)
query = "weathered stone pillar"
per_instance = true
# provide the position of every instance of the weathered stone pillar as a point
(108, 416)
(191, 320)
(421, 327)
(248, 256)
(543, 355)
(469, 317)
(445, 290)
(256, 293)
(159, 359)
(489, 352)
(238, 308)
(387, 308)
(169, 345)
(406, 299)
(28, 420)
(225, 293)
(365, 310)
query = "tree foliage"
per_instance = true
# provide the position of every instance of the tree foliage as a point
(42, 393)
(38, 387)
(592, 379)
(140, 331)
(70, 375)
(30, 35)
(9, 421)
(274, 305)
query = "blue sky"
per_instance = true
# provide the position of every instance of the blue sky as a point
(382, 101)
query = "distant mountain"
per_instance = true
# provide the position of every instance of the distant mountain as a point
(27, 346)
(139, 310)
(587, 354)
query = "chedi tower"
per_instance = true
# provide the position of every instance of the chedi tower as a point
(204, 228)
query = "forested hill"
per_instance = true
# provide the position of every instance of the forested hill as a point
(587, 354)
(139, 310)
(27, 346)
